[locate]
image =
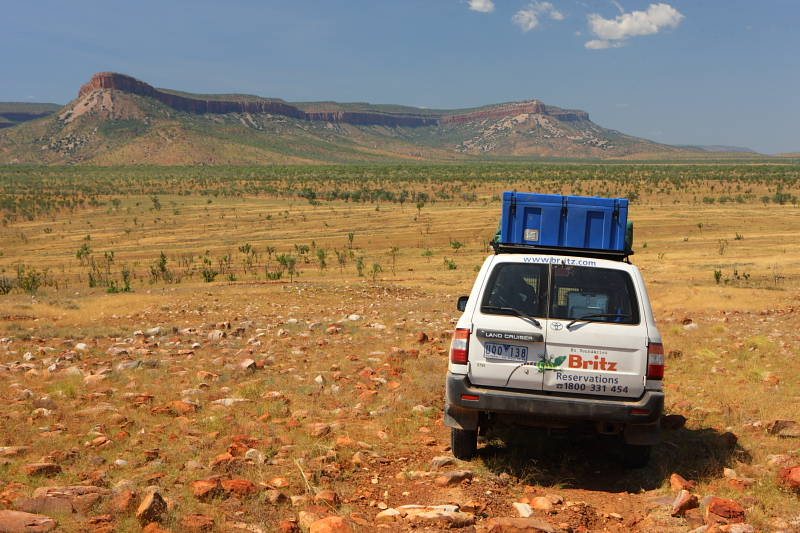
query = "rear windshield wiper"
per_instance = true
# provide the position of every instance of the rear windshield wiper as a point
(511, 310)
(598, 315)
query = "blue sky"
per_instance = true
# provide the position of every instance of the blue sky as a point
(679, 72)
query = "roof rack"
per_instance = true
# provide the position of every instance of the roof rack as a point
(613, 255)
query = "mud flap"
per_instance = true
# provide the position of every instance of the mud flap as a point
(642, 434)
(455, 417)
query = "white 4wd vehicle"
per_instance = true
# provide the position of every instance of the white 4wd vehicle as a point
(556, 339)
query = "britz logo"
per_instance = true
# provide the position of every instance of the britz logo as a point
(597, 363)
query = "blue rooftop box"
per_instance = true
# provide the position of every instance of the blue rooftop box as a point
(553, 220)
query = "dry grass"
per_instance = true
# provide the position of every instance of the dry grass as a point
(734, 371)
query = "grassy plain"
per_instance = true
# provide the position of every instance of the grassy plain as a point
(719, 248)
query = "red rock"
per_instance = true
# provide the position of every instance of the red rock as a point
(125, 502)
(455, 477)
(790, 477)
(43, 505)
(196, 523)
(422, 337)
(331, 524)
(683, 502)
(238, 449)
(103, 523)
(318, 429)
(41, 469)
(154, 527)
(518, 525)
(287, 526)
(739, 484)
(19, 522)
(14, 451)
(152, 509)
(678, 483)
(182, 408)
(239, 488)
(693, 518)
(328, 498)
(783, 428)
(206, 489)
(279, 482)
(724, 512)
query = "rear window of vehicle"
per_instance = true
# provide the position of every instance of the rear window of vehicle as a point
(518, 286)
(562, 292)
(582, 291)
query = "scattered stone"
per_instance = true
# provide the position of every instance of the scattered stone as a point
(438, 462)
(279, 482)
(693, 518)
(331, 524)
(783, 428)
(41, 505)
(388, 515)
(441, 518)
(518, 525)
(287, 526)
(103, 523)
(20, 522)
(455, 477)
(790, 477)
(360, 459)
(523, 509)
(196, 523)
(14, 451)
(327, 498)
(152, 509)
(318, 429)
(542, 503)
(683, 502)
(41, 469)
(126, 502)
(154, 527)
(206, 489)
(720, 511)
(239, 488)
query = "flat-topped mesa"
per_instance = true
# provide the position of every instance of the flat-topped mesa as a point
(533, 107)
(112, 80)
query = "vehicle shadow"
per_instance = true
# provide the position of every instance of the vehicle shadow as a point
(593, 462)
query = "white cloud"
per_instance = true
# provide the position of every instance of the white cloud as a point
(484, 6)
(612, 33)
(528, 18)
(599, 44)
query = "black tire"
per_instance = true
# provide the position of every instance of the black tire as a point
(464, 443)
(635, 455)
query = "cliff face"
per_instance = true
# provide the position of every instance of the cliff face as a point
(111, 80)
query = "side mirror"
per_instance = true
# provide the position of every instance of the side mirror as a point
(462, 303)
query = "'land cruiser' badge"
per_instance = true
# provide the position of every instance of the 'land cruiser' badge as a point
(509, 336)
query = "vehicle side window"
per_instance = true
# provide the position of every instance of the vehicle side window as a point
(519, 286)
(581, 291)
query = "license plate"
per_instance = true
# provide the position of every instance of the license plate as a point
(509, 352)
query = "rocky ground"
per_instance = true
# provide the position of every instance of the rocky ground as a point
(311, 407)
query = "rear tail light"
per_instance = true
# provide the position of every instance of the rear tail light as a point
(459, 347)
(655, 361)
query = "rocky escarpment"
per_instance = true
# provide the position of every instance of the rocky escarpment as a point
(111, 80)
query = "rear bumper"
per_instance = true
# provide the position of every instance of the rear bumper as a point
(464, 414)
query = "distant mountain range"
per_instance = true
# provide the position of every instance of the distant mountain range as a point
(119, 120)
